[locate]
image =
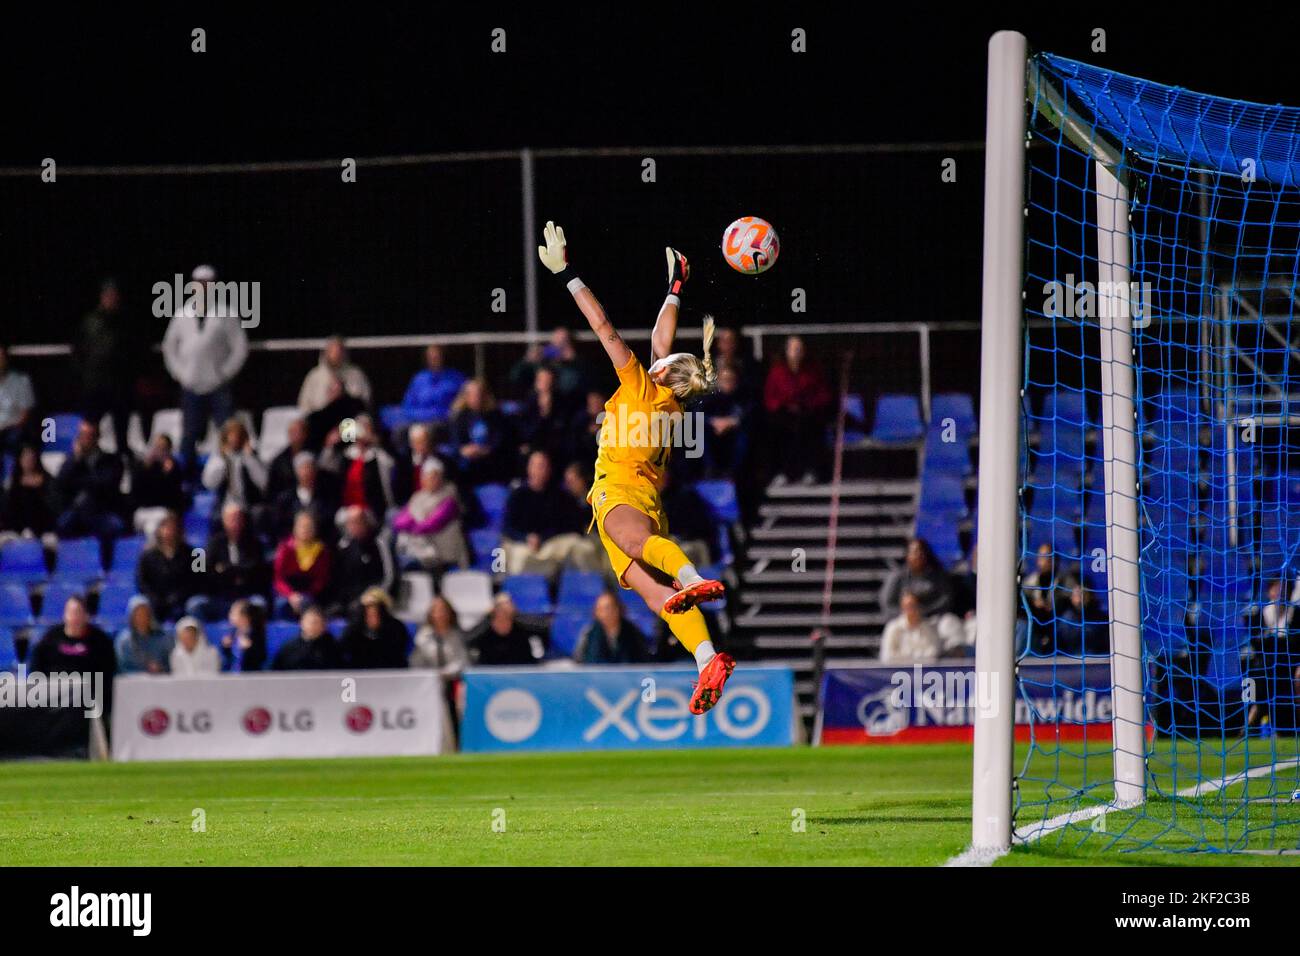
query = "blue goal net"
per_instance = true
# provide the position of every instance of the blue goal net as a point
(1212, 190)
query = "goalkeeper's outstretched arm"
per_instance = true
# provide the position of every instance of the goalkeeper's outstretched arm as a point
(555, 257)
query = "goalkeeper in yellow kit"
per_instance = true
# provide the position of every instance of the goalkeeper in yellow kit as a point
(631, 460)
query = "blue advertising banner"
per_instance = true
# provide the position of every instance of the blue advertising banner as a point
(936, 703)
(622, 708)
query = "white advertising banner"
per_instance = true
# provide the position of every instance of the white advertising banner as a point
(251, 716)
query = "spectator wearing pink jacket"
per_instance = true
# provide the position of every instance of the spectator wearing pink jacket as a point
(428, 527)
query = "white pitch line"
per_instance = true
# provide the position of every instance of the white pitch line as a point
(985, 856)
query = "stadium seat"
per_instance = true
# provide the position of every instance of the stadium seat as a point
(943, 538)
(52, 461)
(578, 590)
(108, 437)
(274, 435)
(646, 620)
(167, 421)
(54, 597)
(720, 496)
(566, 628)
(278, 634)
(483, 541)
(855, 422)
(8, 654)
(22, 561)
(492, 499)
(113, 599)
(126, 555)
(943, 496)
(416, 596)
(15, 605)
(898, 419)
(530, 593)
(65, 431)
(960, 408)
(393, 418)
(78, 559)
(944, 457)
(470, 595)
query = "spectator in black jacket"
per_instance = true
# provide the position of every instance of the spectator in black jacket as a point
(363, 560)
(31, 503)
(312, 650)
(502, 639)
(280, 473)
(922, 575)
(611, 638)
(538, 530)
(478, 433)
(157, 485)
(89, 488)
(584, 429)
(165, 574)
(374, 638)
(236, 564)
(244, 648)
(76, 647)
(310, 491)
(544, 423)
(727, 413)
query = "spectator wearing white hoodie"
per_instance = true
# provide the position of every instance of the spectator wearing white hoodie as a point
(203, 353)
(193, 656)
(334, 363)
(910, 638)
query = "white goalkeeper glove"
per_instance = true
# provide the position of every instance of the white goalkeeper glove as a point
(554, 255)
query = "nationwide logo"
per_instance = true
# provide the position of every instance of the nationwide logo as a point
(154, 722)
(359, 718)
(257, 721)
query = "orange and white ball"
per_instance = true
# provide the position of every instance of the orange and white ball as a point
(750, 245)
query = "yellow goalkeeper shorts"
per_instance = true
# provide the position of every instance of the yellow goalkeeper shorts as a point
(644, 498)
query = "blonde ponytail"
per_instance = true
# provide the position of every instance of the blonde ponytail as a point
(709, 328)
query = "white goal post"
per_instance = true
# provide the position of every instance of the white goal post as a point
(1009, 76)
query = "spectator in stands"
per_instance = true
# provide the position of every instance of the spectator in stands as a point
(192, 655)
(922, 575)
(538, 530)
(727, 354)
(203, 353)
(236, 565)
(419, 449)
(165, 574)
(142, 646)
(235, 473)
(571, 374)
(17, 400)
(362, 470)
(303, 567)
(362, 562)
(31, 502)
(1044, 595)
(89, 487)
(502, 639)
(157, 485)
(440, 642)
(106, 358)
(910, 638)
(1271, 664)
(310, 492)
(1081, 629)
(797, 399)
(428, 528)
(334, 363)
(374, 638)
(243, 649)
(76, 647)
(280, 473)
(432, 391)
(690, 521)
(478, 434)
(544, 423)
(331, 423)
(587, 553)
(584, 428)
(727, 417)
(611, 638)
(313, 649)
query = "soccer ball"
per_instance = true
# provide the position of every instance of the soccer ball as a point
(750, 245)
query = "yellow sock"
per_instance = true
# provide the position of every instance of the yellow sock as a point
(689, 628)
(660, 552)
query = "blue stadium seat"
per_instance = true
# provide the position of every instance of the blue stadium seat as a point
(565, 630)
(482, 541)
(22, 561)
(278, 633)
(946, 458)
(960, 408)
(1060, 533)
(720, 496)
(8, 654)
(492, 499)
(578, 591)
(56, 595)
(943, 539)
(855, 419)
(113, 599)
(898, 419)
(126, 555)
(530, 593)
(646, 620)
(196, 527)
(65, 431)
(392, 418)
(15, 605)
(943, 497)
(79, 559)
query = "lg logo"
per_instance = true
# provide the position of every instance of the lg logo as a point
(259, 720)
(361, 718)
(155, 722)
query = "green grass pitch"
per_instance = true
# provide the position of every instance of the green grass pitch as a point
(888, 806)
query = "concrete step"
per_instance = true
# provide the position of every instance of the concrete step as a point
(771, 575)
(898, 488)
(842, 553)
(846, 532)
(778, 642)
(812, 595)
(756, 617)
(902, 510)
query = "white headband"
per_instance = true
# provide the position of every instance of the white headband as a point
(667, 359)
